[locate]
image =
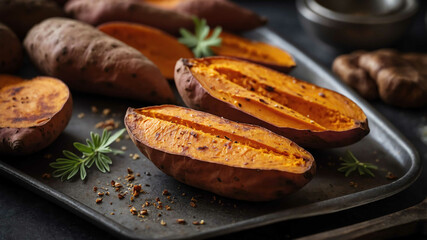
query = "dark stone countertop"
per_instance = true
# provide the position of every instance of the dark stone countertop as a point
(25, 215)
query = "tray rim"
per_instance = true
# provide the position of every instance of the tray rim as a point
(326, 206)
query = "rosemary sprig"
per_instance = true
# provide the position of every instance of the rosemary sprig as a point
(351, 164)
(94, 151)
(199, 42)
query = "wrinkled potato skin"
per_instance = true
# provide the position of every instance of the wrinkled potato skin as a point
(195, 96)
(10, 50)
(91, 61)
(226, 14)
(96, 12)
(22, 15)
(237, 183)
(25, 141)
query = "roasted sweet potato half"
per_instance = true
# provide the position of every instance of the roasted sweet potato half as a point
(161, 48)
(241, 91)
(230, 159)
(257, 52)
(10, 50)
(90, 61)
(32, 113)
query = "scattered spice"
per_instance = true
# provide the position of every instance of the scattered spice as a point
(47, 156)
(144, 212)
(120, 196)
(130, 177)
(135, 156)
(130, 171)
(46, 176)
(108, 124)
(192, 204)
(133, 211)
(94, 109)
(165, 193)
(80, 115)
(98, 200)
(390, 176)
(180, 221)
(100, 194)
(106, 111)
(112, 213)
(168, 208)
(113, 183)
(136, 190)
(201, 222)
(95, 188)
(163, 223)
(123, 148)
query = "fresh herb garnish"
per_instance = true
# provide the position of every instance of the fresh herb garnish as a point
(199, 42)
(351, 164)
(93, 152)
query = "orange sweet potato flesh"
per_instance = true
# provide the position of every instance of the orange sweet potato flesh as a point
(158, 46)
(32, 113)
(241, 91)
(231, 159)
(257, 52)
(166, 4)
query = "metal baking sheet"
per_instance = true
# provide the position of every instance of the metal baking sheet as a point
(328, 192)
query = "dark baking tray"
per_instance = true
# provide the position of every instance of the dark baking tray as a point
(329, 191)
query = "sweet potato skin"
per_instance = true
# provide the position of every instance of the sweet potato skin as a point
(233, 182)
(195, 96)
(91, 61)
(96, 12)
(22, 15)
(10, 50)
(223, 13)
(27, 140)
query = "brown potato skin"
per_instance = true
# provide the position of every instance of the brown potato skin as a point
(226, 14)
(22, 15)
(91, 61)
(26, 141)
(10, 50)
(195, 96)
(96, 12)
(237, 183)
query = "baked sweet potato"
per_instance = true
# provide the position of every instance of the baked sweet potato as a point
(223, 13)
(241, 91)
(231, 159)
(161, 48)
(22, 15)
(10, 50)
(257, 52)
(96, 12)
(32, 113)
(91, 61)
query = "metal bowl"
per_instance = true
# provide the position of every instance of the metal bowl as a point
(366, 24)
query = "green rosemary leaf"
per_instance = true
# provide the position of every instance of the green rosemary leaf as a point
(94, 152)
(351, 164)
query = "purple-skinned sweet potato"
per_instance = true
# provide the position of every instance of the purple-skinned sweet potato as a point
(33, 113)
(309, 115)
(10, 50)
(234, 160)
(90, 61)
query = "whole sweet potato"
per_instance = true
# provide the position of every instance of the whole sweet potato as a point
(231, 159)
(223, 13)
(33, 113)
(96, 12)
(91, 61)
(22, 15)
(241, 91)
(10, 50)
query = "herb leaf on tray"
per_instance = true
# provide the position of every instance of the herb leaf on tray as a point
(199, 42)
(94, 151)
(351, 164)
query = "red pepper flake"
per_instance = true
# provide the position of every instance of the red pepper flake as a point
(192, 204)
(95, 188)
(98, 200)
(180, 221)
(113, 183)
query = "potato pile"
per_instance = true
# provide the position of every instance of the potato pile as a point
(134, 61)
